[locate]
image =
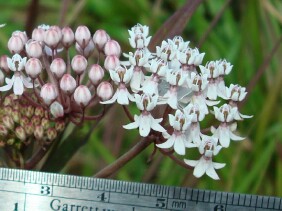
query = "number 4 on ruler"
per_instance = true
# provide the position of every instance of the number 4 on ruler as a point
(16, 207)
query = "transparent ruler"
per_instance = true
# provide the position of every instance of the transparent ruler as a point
(22, 190)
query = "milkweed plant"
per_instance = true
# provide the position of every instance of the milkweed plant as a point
(44, 88)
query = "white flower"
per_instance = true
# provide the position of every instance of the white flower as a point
(145, 122)
(150, 85)
(190, 56)
(224, 133)
(224, 67)
(179, 42)
(235, 93)
(167, 51)
(138, 36)
(159, 67)
(180, 122)
(18, 80)
(208, 148)
(122, 96)
(225, 113)
(17, 63)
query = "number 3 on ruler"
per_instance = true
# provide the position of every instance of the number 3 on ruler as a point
(45, 190)
(16, 207)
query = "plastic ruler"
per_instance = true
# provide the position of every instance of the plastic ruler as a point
(22, 190)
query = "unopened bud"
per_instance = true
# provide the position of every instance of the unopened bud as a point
(15, 44)
(20, 133)
(79, 64)
(10, 141)
(87, 51)
(38, 34)
(36, 120)
(58, 67)
(112, 48)
(8, 122)
(82, 36)
(29, 129)
(67, 84)
(33, 48)
(68, 37)
(29, 111)
(105, 91)
(7, 110)
(22, 35)
(57, 110)
(51, 134)
(60, 125)
(111, 62)
(96, 74)
(3, 131)
(82, 95)
(24, 121)
(4, 64)
(48, 93)
(16, 115)
(33, 67)
(100, 38)
(38, 132)
(39, 111)
(52, 37)
(8, 101)
(45, 123)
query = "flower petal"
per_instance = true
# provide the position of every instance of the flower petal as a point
(201, 167)
(179, 146)
(169, 143)
(211, 172)
(192, 163)
(18, 87)
(144, 125)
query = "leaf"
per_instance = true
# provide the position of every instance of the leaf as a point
(176, 23)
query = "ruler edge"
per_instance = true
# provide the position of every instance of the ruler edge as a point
(23, 177)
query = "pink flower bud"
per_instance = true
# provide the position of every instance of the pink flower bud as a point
(4, 64)
(15, 44)
(111, 62)
(82, 36)
(100, 38)
(105, 91)
(33, 67)
(29, 128)
(3, 131)
(38, 132)
(20, 133)
(8, 122)
(67, 84)
(52, 37)
(59, 125)
(51, 134)
(58, 67)
(87, 51)
(57, 110)
(38, 34)
(22, 35)
(58, 29)
(112, 48)
(96, 74)
(79, 64)
(33, 48)
(68, 37)
(82, 95)
(48, 93)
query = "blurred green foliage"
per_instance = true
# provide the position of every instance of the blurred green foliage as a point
(244, 35)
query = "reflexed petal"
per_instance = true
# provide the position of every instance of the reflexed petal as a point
(235, 137)
(122, 98)
(211, 172)
(155, 124)
(218, 165)
(26, 81)
(18, 87)
(224, 139)
(131, 125)
(201, 167)
(8, 86)
(245, 116)
(169, 143)
(144, 126)
(112, 100)
(192, 163)
(179, 146)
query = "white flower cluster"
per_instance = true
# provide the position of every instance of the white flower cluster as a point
(174, 76)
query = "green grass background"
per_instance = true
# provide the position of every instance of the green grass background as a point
(245, 35)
